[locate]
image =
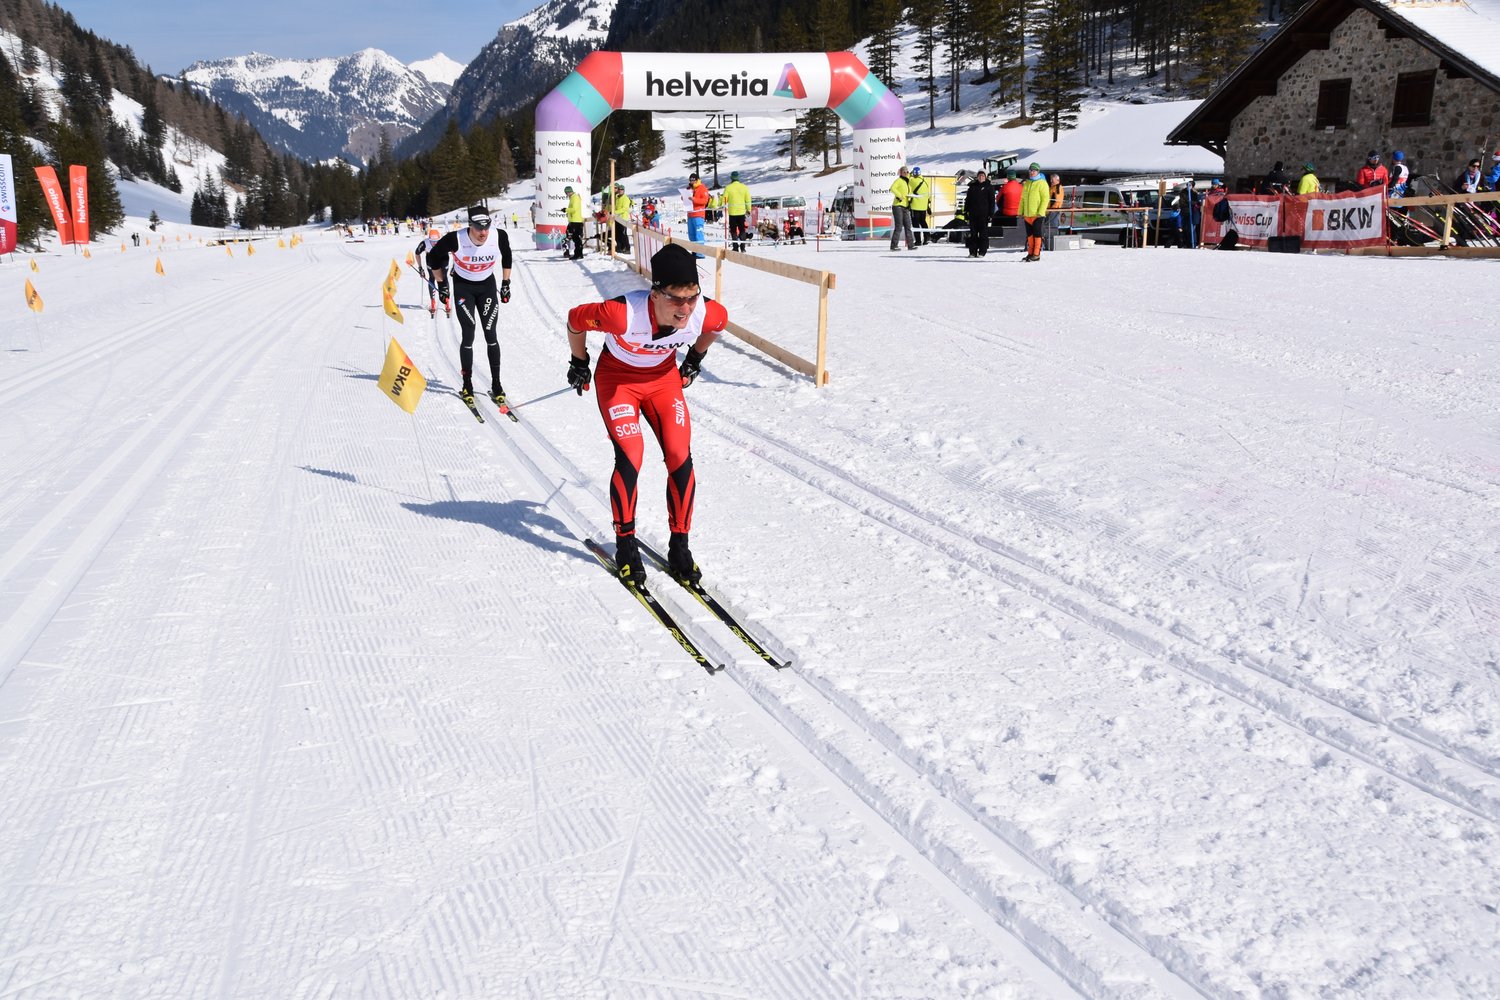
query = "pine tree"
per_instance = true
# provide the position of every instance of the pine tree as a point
(450, 172)
(13, 131)
(1056, 97)
(1012, 20)
(714, 145)
(74, 145)
(692, 151)
(954, 32)
(1220, 35)
(926, 18)
(885, 21)
(507, 162)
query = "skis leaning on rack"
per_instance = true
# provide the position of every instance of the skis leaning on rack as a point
(650, 603)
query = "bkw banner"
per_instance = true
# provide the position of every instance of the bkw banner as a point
(1323, 221)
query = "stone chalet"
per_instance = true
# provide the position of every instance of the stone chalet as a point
(1343, 77)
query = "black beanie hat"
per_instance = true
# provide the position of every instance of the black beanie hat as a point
(673, 265)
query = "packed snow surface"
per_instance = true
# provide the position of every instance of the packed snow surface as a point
(1144, 608)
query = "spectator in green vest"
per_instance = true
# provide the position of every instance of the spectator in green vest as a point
(1309, 182)
(620, 212)
(920, 190)
(573, 243)
(737, 205)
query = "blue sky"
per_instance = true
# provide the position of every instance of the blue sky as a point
(171, 34)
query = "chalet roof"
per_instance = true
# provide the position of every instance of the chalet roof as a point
(1464, 34)
(1130, 139)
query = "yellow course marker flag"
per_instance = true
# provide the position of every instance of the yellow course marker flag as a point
(33, 297)
(400, 379)
(391, 309)
(159, 269)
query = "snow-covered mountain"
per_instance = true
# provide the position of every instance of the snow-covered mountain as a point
(526, 58)
(439, 69)
(318, 109)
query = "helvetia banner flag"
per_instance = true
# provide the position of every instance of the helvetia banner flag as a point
(7, 205)
(400, 379)
(78, 183)
(53, 192)
(391, 309)
(33, 297)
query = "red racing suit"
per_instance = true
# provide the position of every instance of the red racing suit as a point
(637, 380)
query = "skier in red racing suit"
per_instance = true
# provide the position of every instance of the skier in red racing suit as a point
(639, 380)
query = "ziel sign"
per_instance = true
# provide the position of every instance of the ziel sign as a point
(722, 121)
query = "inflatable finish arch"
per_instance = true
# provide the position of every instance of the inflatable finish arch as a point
(718, 81)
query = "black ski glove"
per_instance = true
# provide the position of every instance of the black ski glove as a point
(505, 290)
(691, 365)
(578, 373)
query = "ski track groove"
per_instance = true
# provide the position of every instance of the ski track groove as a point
(133, 711)
(946, 864)
(1186, 400)
(124, 477)
(1476, 794)
(1070, 518)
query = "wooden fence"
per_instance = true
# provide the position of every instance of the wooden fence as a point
(824, 280)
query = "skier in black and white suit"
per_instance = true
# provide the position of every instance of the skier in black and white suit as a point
(474, 252)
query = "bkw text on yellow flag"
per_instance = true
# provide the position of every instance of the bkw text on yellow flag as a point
(33, 297)
(400, 379)
(391, 309)
(395, 274)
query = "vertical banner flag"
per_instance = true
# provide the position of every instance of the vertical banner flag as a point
(400, 379)
(53, 192)
(7, 205)
(33, 298)
(78, 183)
(159, 269)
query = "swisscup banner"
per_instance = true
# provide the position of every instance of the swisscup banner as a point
(1324, 221)
(656, 81)
(53, 192)
(7, 205)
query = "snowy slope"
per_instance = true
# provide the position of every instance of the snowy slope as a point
(1145, 607)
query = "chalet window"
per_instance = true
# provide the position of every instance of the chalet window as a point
(1413, 105)
(1333, 104)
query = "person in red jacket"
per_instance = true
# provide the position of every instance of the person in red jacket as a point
(697, 198)
(639, 381)
(1372, 174)
(1010, 196)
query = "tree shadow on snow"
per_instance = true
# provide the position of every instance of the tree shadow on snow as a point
(520, 519)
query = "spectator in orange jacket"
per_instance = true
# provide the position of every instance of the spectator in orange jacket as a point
(1372, 174)
(698, 196)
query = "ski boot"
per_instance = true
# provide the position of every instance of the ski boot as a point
(497, 395)
(467, 392)
(628, 560)
(680, 561)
